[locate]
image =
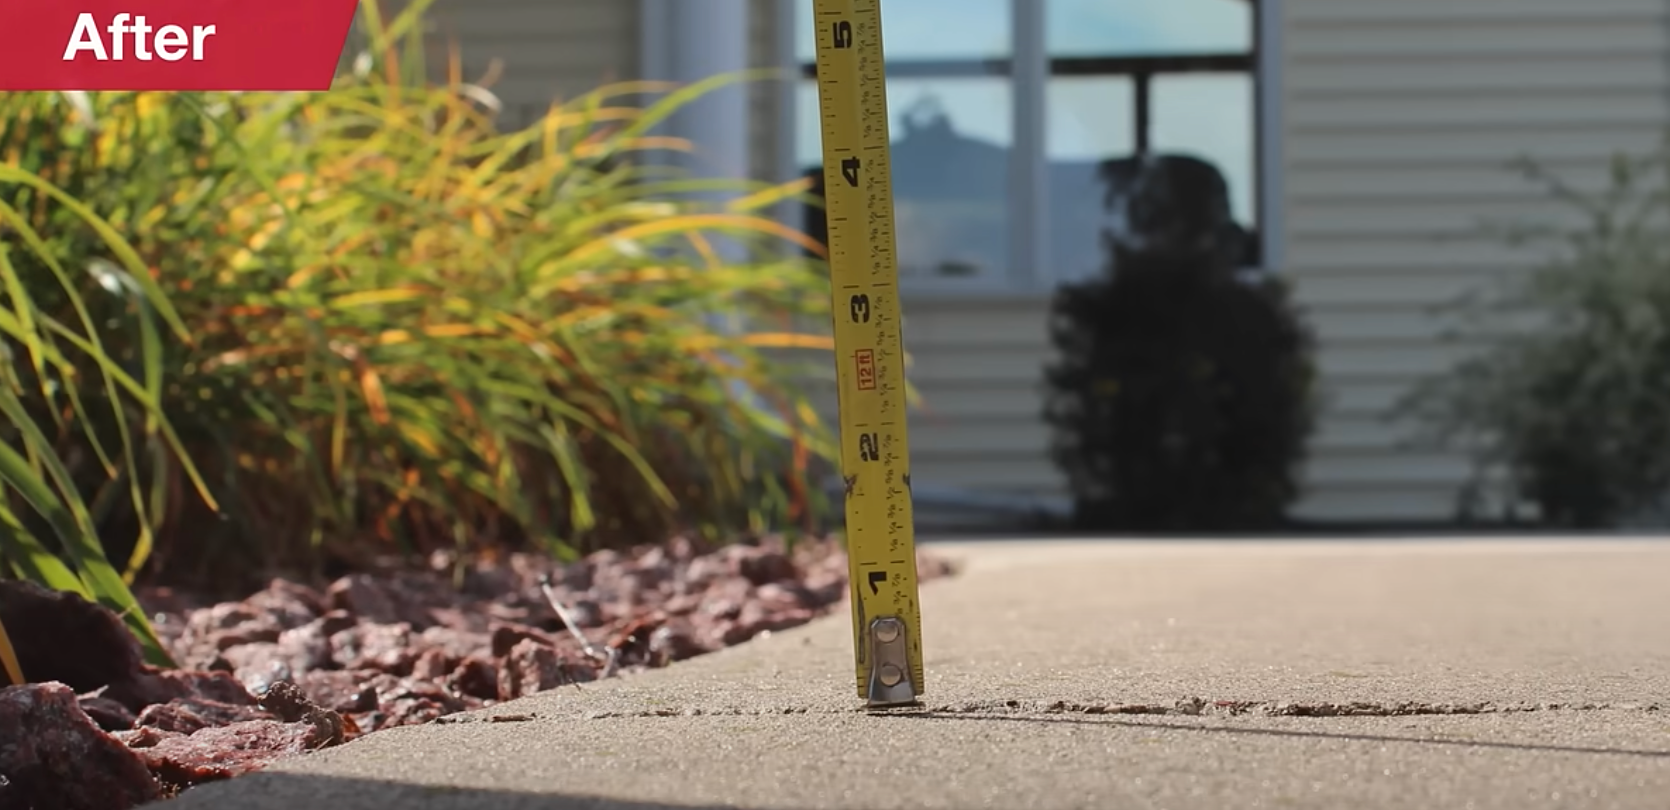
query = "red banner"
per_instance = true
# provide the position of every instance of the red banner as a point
(251, 45)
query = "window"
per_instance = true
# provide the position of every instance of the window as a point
(951, 103)
(1122, 89)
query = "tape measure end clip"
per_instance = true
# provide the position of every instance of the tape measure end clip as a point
(890, 683)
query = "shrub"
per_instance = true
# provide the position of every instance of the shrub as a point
(1565, 406)
(1181, 396)
(377, 323)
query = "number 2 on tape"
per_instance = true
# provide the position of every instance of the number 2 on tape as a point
(864, 282)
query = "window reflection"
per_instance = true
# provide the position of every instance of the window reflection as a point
(1210, 116)
(950, 162)
(929, 29)
(1089, 122)
(1141, 94)
(1151, 125)
(1147, 27)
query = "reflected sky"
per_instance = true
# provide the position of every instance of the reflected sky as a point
(1088, 119)
(925, 29)
(1130, 27)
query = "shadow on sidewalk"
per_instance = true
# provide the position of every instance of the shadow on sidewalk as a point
(1298, 734)
(272, 790)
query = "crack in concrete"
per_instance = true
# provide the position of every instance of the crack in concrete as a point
(1201, 707)
(1185, 707)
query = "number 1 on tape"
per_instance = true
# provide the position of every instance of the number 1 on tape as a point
(864, 283)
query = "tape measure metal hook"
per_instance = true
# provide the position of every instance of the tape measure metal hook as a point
(869, 349)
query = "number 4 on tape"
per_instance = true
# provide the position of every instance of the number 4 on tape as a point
(864, 281)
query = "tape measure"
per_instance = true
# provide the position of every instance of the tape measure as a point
(869, 349)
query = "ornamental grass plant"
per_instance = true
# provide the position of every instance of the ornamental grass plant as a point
(266, 332)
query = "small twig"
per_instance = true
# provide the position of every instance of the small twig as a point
(609, 668)
(550, 592)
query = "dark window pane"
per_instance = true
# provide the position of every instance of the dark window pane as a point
(950, 159)
(1147, 27)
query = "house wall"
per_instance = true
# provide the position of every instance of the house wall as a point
(547, 51)
(1398, 119)
(976, 361)
(553, 51)
(1395, 122)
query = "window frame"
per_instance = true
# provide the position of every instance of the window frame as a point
(1029, 70)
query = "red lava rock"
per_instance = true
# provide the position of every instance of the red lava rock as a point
(219, 753)
(289, 704)
(758, 617)
(335, 622)
(308, 646)
(476, 677)
(385, 648)
(399, 598)
(266, 617)
(144, 736)
(161, 686)
(668, 644)
(108, 714)
(455, 643)
(701, 573)
(365, 597)
(682, 604)
(785, 596)
(342, 690)
(289, 604)
(761, 565)
(506, 635)
(39, 621)
(585, 612)
(303, 648)
(532, 667)
(467, 622)
(432, 665)
(52, 756)
(413, 702)
(726, 598)
(210, 632)
(187, 715)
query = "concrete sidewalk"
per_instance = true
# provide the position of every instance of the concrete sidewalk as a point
(1188, 676)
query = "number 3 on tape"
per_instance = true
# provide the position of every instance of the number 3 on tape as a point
(864, 282)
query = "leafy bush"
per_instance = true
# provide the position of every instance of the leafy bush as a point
(369, 314)
(1565, 407)
(1181, 396)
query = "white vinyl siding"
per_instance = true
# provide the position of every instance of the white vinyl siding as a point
(978, 364)
(1398, 120)
(1394, 122)
(547, 51)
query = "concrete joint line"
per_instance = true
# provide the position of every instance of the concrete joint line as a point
(1186, 707)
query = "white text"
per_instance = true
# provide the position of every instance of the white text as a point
(170, 42)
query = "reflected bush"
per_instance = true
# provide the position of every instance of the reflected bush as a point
(1181, 397)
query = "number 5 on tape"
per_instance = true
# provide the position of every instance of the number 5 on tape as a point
(864, 283)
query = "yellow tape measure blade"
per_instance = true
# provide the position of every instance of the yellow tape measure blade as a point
(864, 284)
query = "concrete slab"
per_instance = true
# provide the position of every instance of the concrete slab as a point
(1118, 674)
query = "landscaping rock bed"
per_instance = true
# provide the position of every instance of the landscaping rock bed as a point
(294, 668)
